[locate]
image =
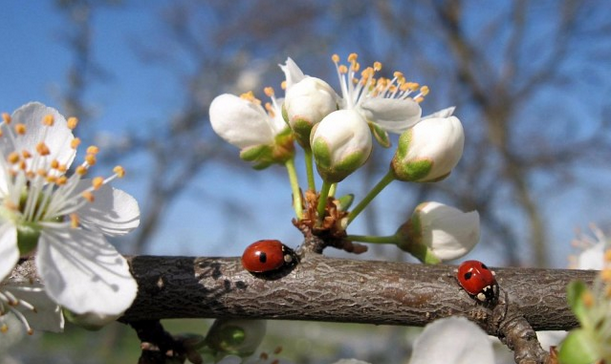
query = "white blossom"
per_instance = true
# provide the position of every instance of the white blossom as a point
(63, 219)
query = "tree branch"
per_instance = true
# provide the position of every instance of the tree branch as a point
(339, 290)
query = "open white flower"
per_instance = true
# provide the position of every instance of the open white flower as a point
(389, 105)
(27, 305)
(63, 219)
(437, 232)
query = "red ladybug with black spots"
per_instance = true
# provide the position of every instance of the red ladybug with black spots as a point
(478, 280)
(268, 255)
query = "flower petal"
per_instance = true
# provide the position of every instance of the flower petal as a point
(240, 122)
(58, 137)
(113, 212)
(292, 73)
(394, 115)
(9, 252)
(438, 343)
(443, 113)
(83, 272)
(48, 315)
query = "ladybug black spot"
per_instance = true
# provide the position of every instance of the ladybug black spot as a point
(468, 275)
(262, 257)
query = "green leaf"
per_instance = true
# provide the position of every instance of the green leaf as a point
(579, 347)
(574, 295)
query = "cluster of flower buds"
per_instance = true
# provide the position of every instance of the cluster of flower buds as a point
(336, 132)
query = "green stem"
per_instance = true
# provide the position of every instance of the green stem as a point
(333, 189)
(385, 181)
(391, 239)
(322, 201)
(292, 172)
(309, 168)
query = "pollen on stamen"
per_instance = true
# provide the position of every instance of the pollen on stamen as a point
(42, 149)
(335, 58)
(342, 69)
(250, 96)
(92, 149)
(377, 66)
(97, 182)
(283, 85)
(119, 171)
(81, 170)
(20, 129)
(72, 122)
(6, 117)
(13, 158)
(4, 328)
(26, 154)
(75, 143)
(54, 164)
(607, 256)
(87, 195)
(61, 180)
(90, 159)
(269, 91)
(605, 275)
(74, 221)
(51, 179)
(41, 172)
(270, 109)
(48, 120)
(424, 90)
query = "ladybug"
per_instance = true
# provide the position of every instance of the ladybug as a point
(478, 280)
(265, 256)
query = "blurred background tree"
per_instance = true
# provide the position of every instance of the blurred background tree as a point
(529, 80)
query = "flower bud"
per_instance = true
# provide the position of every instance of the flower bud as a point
(437, 232)
(263, 138)
(239, 337)
(341, 143)
(306, 103)
(429, 150)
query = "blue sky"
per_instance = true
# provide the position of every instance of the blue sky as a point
(34, 65)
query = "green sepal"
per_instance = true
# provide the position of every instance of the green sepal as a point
(380, 135)
(345, 202)
(27, 237)
(579, 347)
(574, 295)
(415, 170)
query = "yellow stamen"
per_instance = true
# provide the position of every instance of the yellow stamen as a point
(352, 57)
(270, 109)
(72, 122)
(342, 69)
(419, 99)
(424, 90)
(608, 255)
(48, 120)
(75, 143)
(249, 96)
(6, 117)
(119, 171)
(269, 91)
(4, 328)
(20, 129)
(62, 168)
(92, 149)
(97, 182)
(81, 170)
(283, 85)
(54, 164)
(51, 179)
(42, 149)
(377, 66)
(26, 154)
(87, 195)
(10, 205)
(74, 221)
(61, 180)
(335, 58)
(41, 172)
(13, 158)
(90, 159)
(605, 275)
